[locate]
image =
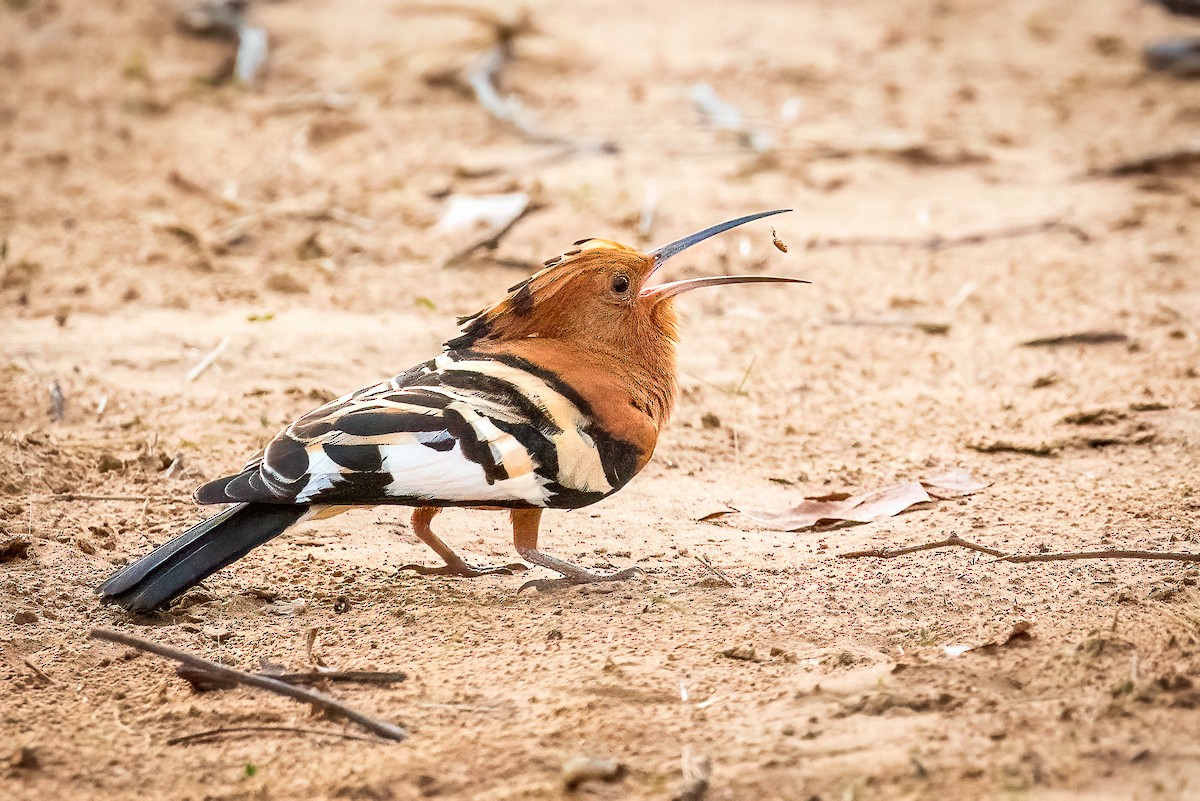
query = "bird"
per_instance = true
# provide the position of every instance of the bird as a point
(552, 398)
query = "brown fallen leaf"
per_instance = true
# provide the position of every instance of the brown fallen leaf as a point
(867, 507)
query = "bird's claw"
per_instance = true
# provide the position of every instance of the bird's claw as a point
(583, 577)
(466, 570)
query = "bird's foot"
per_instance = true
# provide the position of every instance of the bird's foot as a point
(466, 569)
(571, 574)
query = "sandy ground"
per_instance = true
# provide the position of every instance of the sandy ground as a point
(149, 215)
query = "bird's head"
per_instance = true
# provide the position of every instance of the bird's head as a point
(599, 292)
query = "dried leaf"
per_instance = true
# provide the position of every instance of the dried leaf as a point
(954, 483)
(866, 507)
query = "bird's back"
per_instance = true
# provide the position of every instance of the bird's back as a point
(469, 428)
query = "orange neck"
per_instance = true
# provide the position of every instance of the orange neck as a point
(630, 383)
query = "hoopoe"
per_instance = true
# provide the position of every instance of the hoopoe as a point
(552, 398)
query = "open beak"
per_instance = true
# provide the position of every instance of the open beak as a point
(665, 252)
(664, 291)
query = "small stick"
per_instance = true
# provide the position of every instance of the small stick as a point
(208, 360)
(1081, 338)
(938, 243)
(130, 498)
(716, 571)
(1179, 158)
(951, 541)
(384, 729)
(955, 540)
(214, 733)
(40, 673)
(482, 79)
(199, 675)
(1114, 553)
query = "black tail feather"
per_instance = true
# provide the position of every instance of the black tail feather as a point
(173, 567)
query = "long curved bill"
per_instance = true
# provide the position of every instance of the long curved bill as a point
(665, 252)
(670, 290)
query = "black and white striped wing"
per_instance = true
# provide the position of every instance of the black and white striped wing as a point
(463, 429)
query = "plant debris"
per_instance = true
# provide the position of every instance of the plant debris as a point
(1043, 449)
(1159, 162)
(1082, 338)
(218, 672)
(867, 507)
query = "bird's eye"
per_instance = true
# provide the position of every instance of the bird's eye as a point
(620, 284)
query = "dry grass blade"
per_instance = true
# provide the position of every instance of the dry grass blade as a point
(389, 731)
(717, 572)
(208, 361)
(204, 678)
(1081, 338)
(1114, 553)
(213, 734)
(72, 497)
(1178, 159)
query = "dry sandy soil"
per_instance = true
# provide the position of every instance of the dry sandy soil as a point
(149, 214)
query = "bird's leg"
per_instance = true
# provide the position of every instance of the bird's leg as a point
(455, 566)
(525, 536)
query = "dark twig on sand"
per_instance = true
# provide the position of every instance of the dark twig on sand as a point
(212, 734)
(952, 541)
(1114, 553)
(717, 572)
(1081, 338)
(956, 541)
(71, 496)
(1177, 159)
(384, 729)
(938, 243)
(206, 680)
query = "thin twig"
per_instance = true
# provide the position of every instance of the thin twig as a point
(483, 77)
(1114, 553)
(1178, 158)
(214, 733)
(70, 496)
(40, 673)
(384, 729)
(208, 360)
(955, 540)
(716, 571)
(937, 243)
(951, 541)
(202, 676)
